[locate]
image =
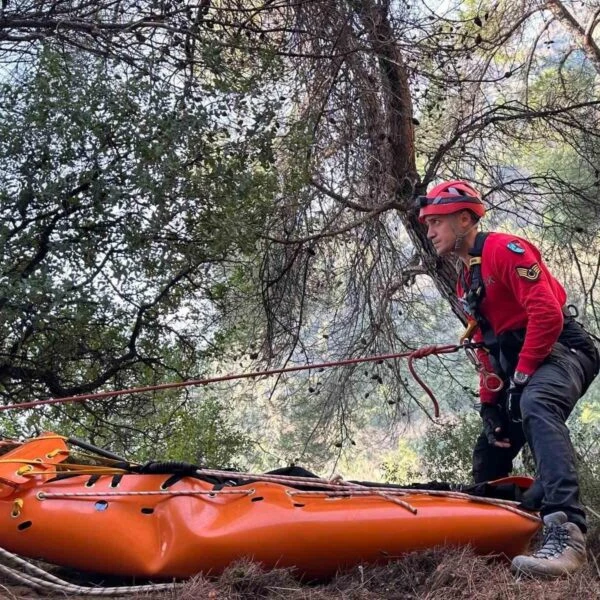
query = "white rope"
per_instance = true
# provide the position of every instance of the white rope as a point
(588, 507)
(505, 504)
(337, 483)
(42, 580)
(338, 479)
(333, 491)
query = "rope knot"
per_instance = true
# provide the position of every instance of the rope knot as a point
(425, 351)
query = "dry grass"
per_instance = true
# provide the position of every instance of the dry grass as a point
(439, 574)
(435, 575)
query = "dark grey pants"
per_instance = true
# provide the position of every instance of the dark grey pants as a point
(546, 403)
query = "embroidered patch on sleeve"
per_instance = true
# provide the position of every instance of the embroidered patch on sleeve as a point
(515, 247)
(531, 273)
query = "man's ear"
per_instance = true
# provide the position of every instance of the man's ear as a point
(465, 219)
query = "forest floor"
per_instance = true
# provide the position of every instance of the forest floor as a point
(438, 574)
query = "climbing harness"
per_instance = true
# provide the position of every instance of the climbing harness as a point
(474, 292)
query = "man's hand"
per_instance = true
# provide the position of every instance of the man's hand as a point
(494, 425)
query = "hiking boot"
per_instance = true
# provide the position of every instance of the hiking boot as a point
(562, 551)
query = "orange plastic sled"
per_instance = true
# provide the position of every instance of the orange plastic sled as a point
(88, 518)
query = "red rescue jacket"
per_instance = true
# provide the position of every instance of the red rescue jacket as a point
(520, 293)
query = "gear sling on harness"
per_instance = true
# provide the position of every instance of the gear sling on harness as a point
(473, 294)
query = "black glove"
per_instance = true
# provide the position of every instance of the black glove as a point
(494, 425)
(513, 397)
(513, 402)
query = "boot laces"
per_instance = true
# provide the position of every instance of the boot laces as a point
(556, 540)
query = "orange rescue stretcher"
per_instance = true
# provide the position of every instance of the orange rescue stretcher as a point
(104, 519)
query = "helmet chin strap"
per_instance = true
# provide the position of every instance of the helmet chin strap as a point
(461, 236)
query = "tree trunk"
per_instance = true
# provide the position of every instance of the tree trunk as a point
(398, 115)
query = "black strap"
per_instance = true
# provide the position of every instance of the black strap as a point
(474, 291)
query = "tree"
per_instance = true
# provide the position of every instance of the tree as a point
(124, 208)
(391, 97)
(359, 105)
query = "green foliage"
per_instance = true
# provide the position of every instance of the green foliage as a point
(197, 427)
(238, 180)
(404, 465)
(123, 205)
(444, 452)
(205, 434)
(447, 449)
(585, 433)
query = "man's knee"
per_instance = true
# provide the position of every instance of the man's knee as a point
(555, 387)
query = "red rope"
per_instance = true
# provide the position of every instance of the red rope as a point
(422, 353)
(418, 353)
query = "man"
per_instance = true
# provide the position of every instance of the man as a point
(546, 359)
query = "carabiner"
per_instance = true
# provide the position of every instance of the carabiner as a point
(472, 356)
(491, 381)
(488, 378)
(467, 334)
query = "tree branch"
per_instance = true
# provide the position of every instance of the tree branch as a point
(582, 35)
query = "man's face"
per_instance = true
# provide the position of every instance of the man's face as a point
(441, 230)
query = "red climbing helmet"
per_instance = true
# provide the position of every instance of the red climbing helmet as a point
(450, 197)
